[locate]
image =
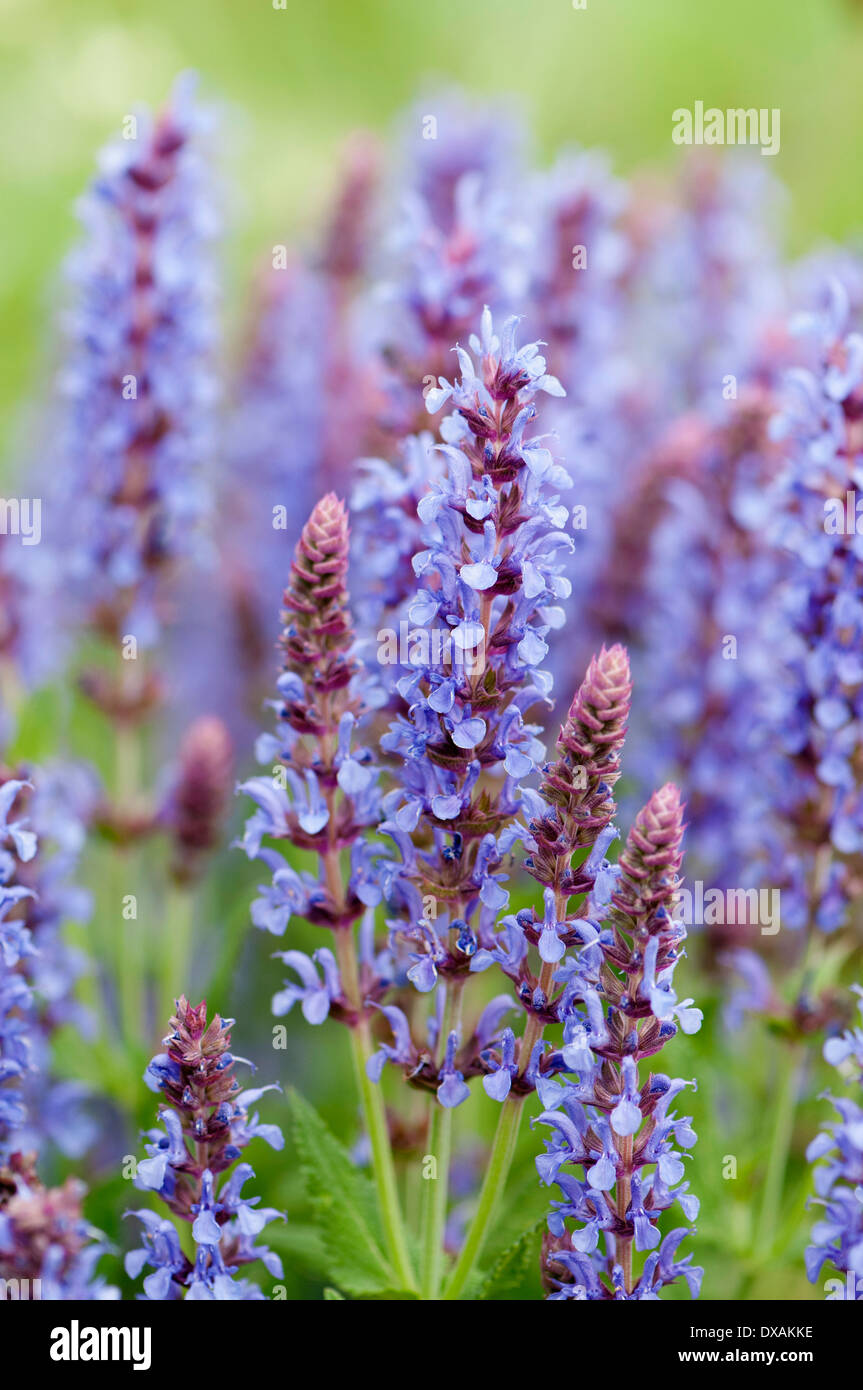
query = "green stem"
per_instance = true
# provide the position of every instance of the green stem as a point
(374, 1116)
(127, 765)
(791, 1066)
(502, 1154)
(435, 1189)
(434, 1199)
(176, 949)
(11, 691)
(126, 932)
(780, 1148)
(623, 1244)
(128, 974)
(383, 1167)
(97, 942)
(500, 1162)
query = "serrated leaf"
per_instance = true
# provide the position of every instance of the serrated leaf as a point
(344, 1204)
(516, 1276)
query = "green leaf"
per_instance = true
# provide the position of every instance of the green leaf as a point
(333, 1295)
(525, 1204)
(516, 1276)
(344, 1204)
(300, 1242)
(391, 1296)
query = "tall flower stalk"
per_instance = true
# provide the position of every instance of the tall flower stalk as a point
(136, 388)
(488, 585)
(192, 1165)
(51, 810)
(17, 1008)
(320, 798)
(134, 440)
(47, 1249)
(573, 817)
(837, 1152)
(457, 238)
(612, 1121)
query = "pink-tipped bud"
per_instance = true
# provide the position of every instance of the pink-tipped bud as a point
(651, 859)
(318, 632)
(201, 793)
(579, 785)
(595, 728)
(590, 743)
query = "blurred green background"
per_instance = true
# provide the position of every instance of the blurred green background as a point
(296, 81)
(293, 83)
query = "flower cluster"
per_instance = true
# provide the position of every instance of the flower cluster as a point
(701, 654)
(16, 945)
(47, 1249)
(837, 1236)
(205, 1125)
(578, 787)
(46, 1246)
(817, 700)
(458, 239)
(137, 388)
(617, 1126)
(323, 792)
(58, 805)
(488, 589)
(749, 497)
(488, 582)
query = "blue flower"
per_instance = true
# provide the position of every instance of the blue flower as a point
(159, 1251)
(316, 993)
(453, 1088)
(498, 1082)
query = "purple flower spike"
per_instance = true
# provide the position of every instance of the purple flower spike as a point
(618, 1007)
(138, 386)
(837, 1235)
(323, 791)
(206, 1125)
(487, 583)
(579, 786)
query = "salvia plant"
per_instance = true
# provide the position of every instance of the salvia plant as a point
(525, 502)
